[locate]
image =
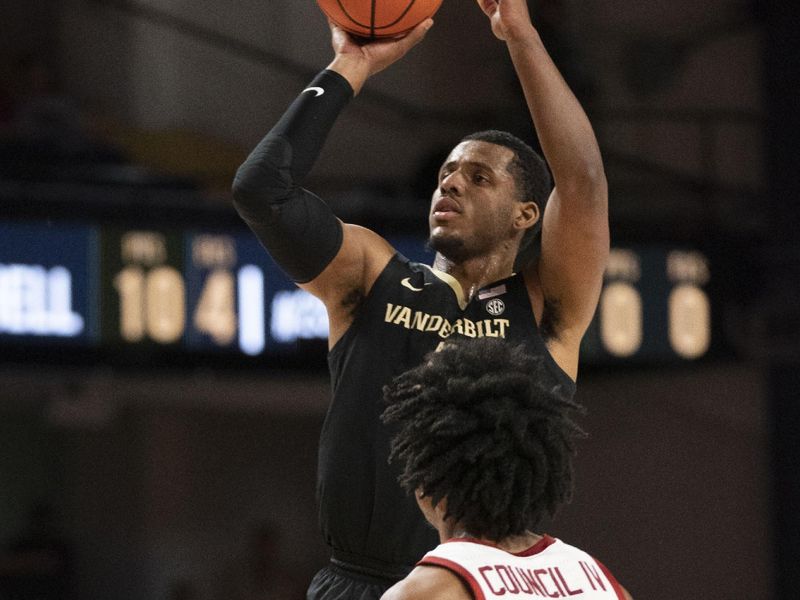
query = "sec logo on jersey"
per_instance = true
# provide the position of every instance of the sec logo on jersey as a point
(495, 307)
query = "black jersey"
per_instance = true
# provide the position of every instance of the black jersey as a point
(366, 516)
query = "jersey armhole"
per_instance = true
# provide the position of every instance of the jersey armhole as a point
(468, 580)
(560, 373)
(398, 259)
(611, 579)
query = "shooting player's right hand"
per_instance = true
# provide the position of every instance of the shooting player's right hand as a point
(358, 58)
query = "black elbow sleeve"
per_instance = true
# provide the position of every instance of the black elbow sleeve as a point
(300, 232)
(265, 177)
(302, 235)
(298, 229)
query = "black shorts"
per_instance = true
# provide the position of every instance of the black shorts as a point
(338, 581)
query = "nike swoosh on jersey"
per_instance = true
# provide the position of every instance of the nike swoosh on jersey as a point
(407, 283)
(318, 91)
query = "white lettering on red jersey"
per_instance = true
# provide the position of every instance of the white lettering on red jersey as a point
(548, 569)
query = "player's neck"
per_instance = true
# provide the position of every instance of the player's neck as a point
(475, 273)
(511, 544)
(519, 543)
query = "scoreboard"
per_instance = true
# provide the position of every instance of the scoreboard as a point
(654, 307)
(76, 284)
(190, 289)
(193, 292)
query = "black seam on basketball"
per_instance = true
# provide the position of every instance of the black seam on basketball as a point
(372, 18)
(347, 14)
(372, 27)
(403, 14)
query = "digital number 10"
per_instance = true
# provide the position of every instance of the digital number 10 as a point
(153, 306)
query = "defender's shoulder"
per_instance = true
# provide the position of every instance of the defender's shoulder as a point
(429, 583)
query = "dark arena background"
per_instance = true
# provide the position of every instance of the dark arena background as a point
(163, 385)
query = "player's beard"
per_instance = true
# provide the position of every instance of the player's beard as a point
(452, 247)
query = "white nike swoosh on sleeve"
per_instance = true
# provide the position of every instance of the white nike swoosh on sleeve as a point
(407, 283)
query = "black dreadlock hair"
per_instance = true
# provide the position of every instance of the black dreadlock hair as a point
(475, 424)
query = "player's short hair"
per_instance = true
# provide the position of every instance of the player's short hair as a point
(528, 168)
(533, 182)
(476, 424)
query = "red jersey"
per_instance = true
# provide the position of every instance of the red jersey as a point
(548, 569)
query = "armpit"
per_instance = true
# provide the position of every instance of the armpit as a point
(551, 318)
(352, 301)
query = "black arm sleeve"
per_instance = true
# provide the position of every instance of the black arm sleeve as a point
(298, 229)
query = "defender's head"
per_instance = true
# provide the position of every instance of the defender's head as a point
(478, 431)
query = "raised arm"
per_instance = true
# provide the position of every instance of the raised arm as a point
(575, 236)
(334, 261)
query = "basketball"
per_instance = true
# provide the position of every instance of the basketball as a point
(378, 18)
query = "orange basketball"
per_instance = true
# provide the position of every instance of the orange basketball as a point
(378, 18)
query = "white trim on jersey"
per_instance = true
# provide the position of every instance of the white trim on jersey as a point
(549, 569)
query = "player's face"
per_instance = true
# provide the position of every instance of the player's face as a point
(475, 201)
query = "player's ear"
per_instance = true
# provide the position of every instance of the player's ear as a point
(527, 215)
